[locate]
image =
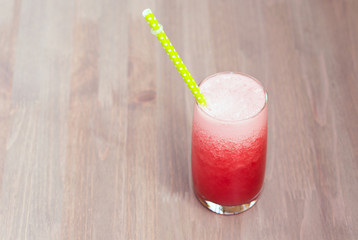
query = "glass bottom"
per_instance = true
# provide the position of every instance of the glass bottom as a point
(225, 210)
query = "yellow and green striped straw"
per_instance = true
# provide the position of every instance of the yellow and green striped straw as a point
(157, 30)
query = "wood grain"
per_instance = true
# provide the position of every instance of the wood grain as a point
(95, 122)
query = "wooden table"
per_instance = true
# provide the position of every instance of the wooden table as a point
(95, 122)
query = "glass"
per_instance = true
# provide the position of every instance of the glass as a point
(228, 159)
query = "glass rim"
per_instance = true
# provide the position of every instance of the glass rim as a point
(233, 121)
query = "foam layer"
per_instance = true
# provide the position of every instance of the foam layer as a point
(232, 96)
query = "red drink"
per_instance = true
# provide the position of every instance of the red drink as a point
(229, 143)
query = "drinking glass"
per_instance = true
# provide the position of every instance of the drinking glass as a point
(228, 158)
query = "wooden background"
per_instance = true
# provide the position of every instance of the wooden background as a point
(95, 122)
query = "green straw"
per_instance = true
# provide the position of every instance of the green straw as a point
(157, 30)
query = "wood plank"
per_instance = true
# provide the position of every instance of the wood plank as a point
(31, 193)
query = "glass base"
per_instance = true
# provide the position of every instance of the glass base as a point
(226, 210)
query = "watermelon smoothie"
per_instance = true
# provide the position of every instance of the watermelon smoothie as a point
(229, 139)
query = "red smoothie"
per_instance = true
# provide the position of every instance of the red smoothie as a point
(229, 141)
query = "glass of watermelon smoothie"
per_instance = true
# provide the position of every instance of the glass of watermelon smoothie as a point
(229, 139)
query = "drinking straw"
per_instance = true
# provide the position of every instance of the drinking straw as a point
(157, 29)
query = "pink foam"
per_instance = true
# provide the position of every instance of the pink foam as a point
(237, 108)
(232, 96)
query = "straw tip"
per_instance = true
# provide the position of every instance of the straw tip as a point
(146, 12)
